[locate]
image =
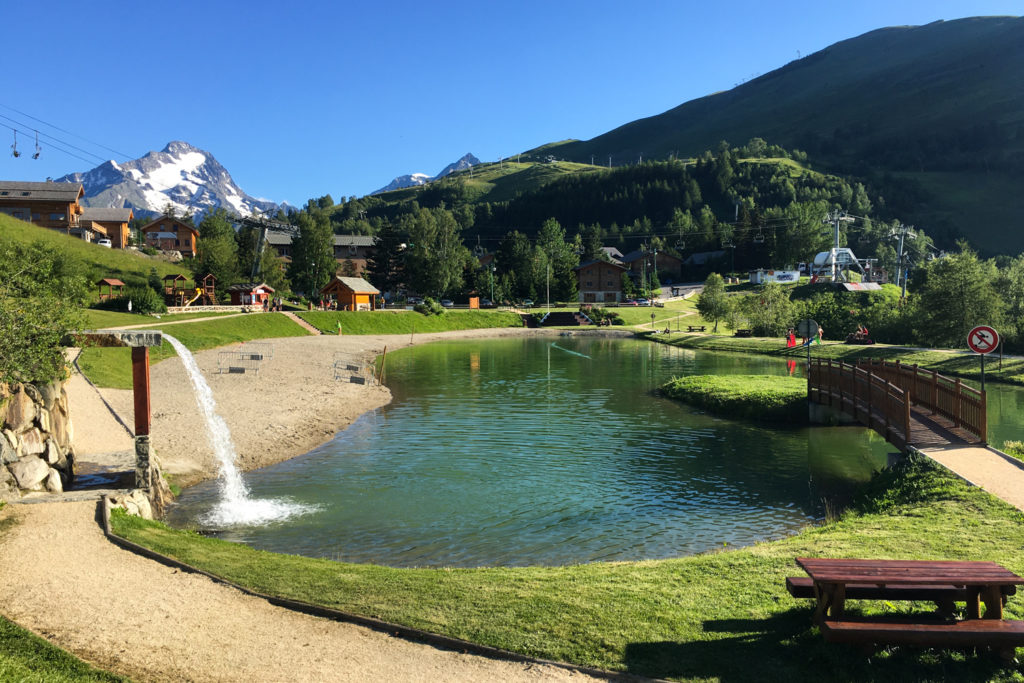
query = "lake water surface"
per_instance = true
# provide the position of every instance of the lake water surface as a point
(550, 451)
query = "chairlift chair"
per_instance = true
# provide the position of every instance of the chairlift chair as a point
(759, 237)
(38, 148)
(14, 147)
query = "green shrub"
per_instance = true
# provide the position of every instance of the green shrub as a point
(143, 299)
(429, 307)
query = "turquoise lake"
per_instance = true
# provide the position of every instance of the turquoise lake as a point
(550, 451)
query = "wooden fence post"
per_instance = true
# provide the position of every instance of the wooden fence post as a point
(935, 392)
(958, 403)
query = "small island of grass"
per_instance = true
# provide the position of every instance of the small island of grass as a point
(770, 398)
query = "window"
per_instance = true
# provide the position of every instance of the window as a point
(56, 216)
(590, 283)
(3, 193)
(25, 194)
(177, 243)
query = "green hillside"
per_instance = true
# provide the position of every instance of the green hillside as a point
(937, 104)
(97, 262)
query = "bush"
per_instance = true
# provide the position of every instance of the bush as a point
(149, 251)
(429, 307)
(144, 301)
(41, 294)
(600, 315)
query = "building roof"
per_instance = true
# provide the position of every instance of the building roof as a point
(701, 257)
(599, 262)
(612, 252)
(38, 192)
(283, 239)
(356, 284)
(114, 282)
(156, 224)
(250, 287)
(102, 214)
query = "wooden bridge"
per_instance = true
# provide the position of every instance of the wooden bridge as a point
(905, 404)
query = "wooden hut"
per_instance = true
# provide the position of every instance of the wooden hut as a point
(174, 289)
(351, 293)
(110, 283)
(250, 294)
(208, 283)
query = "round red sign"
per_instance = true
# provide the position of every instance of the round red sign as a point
(983, 339)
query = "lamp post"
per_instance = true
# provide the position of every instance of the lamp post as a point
(492, 269)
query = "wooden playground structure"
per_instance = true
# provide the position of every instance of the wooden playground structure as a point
(202, 293)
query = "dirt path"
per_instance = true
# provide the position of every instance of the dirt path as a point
(130, 615)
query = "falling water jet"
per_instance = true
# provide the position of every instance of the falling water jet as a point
(236, 507)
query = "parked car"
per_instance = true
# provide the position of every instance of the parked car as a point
(486, 303)
(642, 302)
(105, 243)
(447, 303)
(414, 299)
(527, 303)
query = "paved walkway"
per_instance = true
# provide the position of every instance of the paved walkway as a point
(997, 473)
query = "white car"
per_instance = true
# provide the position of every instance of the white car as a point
(105, 243)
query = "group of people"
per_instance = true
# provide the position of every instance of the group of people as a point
(805, 341)
(273, 305)
(859, 337)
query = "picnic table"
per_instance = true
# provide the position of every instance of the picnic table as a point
(833, 581)
(695, 328)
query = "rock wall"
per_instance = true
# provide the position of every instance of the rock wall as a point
(35, 439)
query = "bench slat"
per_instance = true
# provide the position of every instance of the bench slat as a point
(972, 632)
(803, 587)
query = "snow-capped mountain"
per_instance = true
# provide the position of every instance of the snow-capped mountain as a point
(414, 179)
(186, 177)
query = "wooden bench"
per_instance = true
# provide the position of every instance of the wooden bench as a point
(696, 328)
(942, 596)
(743, 333)
(1003, 635)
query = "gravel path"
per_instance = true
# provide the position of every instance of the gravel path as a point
(136, 617)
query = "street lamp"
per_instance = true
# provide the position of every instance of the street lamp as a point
(492, 271)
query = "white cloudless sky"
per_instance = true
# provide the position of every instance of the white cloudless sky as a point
(304, 98)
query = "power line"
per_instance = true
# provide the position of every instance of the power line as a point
(55, 127)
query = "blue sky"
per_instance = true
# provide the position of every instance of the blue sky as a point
(305, 98)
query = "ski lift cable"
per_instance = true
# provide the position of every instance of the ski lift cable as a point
(62, 130)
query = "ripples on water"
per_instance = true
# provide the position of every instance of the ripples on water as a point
(515, 452)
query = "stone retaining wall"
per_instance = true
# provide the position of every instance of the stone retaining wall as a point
(35, 439)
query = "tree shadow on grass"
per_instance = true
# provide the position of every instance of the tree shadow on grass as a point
(785, 647)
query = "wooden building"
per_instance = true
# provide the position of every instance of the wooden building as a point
(171, 234)
(49, 205)
(111, 224)
(351, 293)
(600, 282)
(355, 248)
(250, 294)
(666, 264)
(110, 283)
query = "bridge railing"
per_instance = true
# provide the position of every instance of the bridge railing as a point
(868, 397)
(947, 396)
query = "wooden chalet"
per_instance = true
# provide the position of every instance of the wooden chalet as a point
(600, 281)
(249, 294)
(351, 293)
(111, 224)
(663, 262)
(355, 248)
(171, 234)
(49, 205)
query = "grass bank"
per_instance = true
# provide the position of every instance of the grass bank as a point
(407, 322)
(951, 363)
(113, 368)
(766, 398)
(723, 616)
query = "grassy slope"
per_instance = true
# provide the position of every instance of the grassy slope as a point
(723, 616)
(113, 367)
(407, 322)
(98, 262)
(757, 397)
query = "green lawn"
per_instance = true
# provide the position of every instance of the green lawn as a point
(111, 367)
(407, 322)
(772, 398)
(96, 319)
(717, 616)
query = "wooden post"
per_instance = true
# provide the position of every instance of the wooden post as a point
(906, 419)
(983, 427)
(958, 403)
(140, 388)
(935, 392)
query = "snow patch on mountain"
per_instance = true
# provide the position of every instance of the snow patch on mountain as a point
(187, 178)
(414, 179)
